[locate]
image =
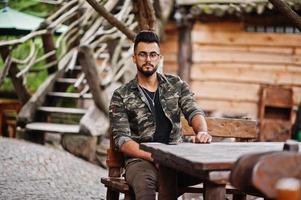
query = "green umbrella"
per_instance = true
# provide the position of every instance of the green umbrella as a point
(13, 22)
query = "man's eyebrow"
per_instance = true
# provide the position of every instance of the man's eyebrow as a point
(148, 52)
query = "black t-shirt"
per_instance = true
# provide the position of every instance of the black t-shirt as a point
(163, 125)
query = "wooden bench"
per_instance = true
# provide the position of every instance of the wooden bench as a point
(217, 127)
(258, 174)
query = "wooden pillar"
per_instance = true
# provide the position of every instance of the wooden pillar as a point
(48, 44)
(185, 25)
(86, 60)
(21, 91)
(145, 14)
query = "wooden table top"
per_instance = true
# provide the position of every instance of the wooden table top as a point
(196, 158)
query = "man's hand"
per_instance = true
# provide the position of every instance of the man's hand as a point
(203, 137)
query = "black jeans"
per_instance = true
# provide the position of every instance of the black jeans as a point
(142, 176)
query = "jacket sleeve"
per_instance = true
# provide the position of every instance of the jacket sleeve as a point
(188, 104)
(119, 121)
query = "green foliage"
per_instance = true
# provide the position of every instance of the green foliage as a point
(33, 7)
(32, 80)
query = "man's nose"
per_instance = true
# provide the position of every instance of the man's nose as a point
(148, 57)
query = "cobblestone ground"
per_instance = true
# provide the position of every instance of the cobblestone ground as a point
(31, 171)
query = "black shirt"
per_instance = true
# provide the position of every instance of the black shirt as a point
(163, 125)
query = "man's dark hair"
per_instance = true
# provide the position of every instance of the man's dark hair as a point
(147, 37)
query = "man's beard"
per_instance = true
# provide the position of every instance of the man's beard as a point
(147, 73)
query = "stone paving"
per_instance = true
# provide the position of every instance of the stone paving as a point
(31, 171)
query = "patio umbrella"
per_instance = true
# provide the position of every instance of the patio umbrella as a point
(13, 22)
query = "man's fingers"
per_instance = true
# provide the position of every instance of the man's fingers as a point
(203, 138)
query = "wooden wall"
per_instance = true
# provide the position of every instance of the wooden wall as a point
(230, 65)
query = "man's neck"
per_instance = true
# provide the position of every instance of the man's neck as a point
(149, 83)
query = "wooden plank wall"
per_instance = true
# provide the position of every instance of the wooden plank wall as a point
(230, 65)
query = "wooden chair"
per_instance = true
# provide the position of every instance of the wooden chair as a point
(276, 113)
(8, 111)
(218, 127)
(258, 174)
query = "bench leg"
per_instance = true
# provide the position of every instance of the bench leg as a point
(112, 195)
(239, 197)
(127, 196)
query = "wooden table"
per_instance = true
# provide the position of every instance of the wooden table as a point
(202, 161)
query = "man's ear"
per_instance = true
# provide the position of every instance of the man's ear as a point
(134, 58)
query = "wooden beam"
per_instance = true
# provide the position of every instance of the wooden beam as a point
(87, 62)
(185, 25)
(49, 46)
(288, 12)
(258, 173)
(230, 38)
(145, 14)
(111, 19)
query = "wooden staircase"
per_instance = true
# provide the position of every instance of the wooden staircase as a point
(62, 107)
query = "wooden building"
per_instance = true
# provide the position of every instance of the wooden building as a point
(230, 51)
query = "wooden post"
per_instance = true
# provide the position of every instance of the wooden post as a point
(86, 60)
(21, 91)
(48, 44)
(145, 14)
(185, 25)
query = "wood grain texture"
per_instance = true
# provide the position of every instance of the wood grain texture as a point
(260, 172)
(223, 127)
(245, 38)
(196, 159)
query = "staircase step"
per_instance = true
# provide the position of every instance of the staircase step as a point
(66, 80)
(70, 95)
(62, 110)
(78, 67)
(51, 127)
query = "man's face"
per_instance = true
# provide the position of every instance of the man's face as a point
(147, 57)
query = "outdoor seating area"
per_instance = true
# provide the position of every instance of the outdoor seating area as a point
(208, 89)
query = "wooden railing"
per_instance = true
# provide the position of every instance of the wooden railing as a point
(86, 30)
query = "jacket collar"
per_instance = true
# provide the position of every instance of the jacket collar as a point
(161, 77)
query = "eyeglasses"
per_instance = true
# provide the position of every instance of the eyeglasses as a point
(142, 55)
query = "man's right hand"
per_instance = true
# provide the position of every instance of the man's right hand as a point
(203, 137)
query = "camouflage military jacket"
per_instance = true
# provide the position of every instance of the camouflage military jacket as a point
(130, 113)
